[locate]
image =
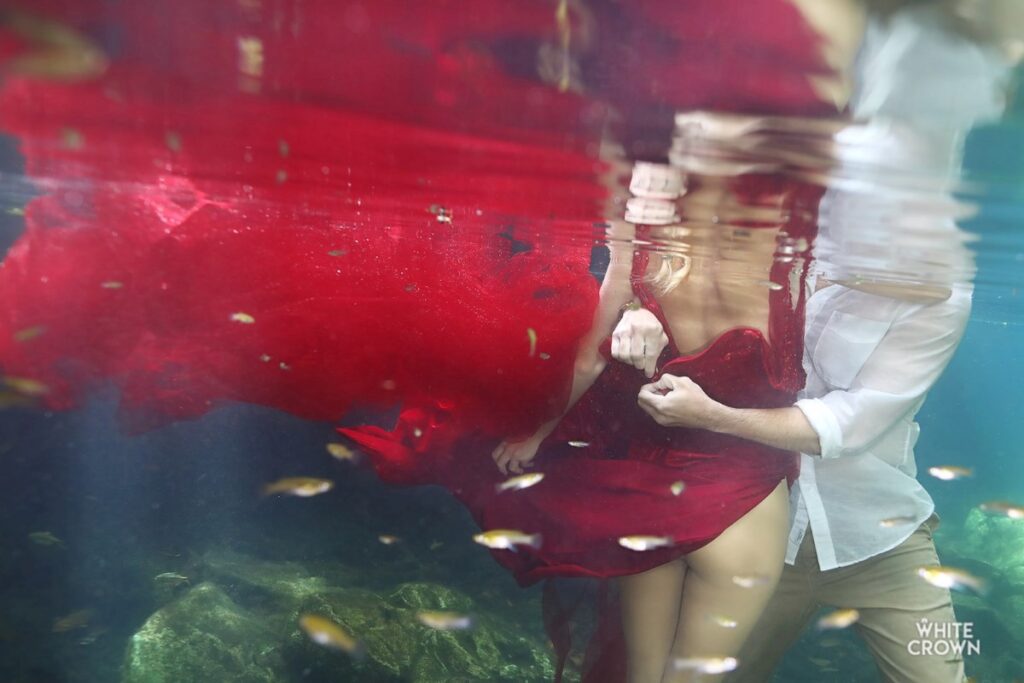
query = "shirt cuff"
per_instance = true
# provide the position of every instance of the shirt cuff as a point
(825, 424)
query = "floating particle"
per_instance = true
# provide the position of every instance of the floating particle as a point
(281, 176)
(545, 356)
(16, 211)
(950, 472)
(284, 366)
(579, 444)
(243, 318)
(532, 336)
(337, 252)
(642, 543)
(724, 622)
(282, 148)
(112, 284)
(388, 385)
(387, 539)
(839, 619)
(265, 358)
(677, 488)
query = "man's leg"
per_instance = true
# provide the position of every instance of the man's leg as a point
(790, 609)
(894, 603)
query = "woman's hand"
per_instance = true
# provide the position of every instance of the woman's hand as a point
(638, 340)
(513, 456)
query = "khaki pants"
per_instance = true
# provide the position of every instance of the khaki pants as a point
(891, 598)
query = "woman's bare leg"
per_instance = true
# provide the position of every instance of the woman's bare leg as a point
(650, 611)
(728, 584)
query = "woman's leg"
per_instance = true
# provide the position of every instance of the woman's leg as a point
(650, 611)
(718, 611)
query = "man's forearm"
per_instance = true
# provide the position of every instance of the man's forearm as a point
(784, 428)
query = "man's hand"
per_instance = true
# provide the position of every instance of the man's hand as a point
(638, 340)
(679, 402)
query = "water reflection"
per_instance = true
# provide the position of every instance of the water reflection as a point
(697, 265)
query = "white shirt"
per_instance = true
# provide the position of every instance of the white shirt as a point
(870, 361)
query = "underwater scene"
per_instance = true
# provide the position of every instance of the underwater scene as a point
(511, 341)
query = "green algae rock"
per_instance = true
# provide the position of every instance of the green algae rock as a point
(241, 624)
(204, 636)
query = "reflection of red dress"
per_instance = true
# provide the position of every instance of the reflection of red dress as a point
(215, 226)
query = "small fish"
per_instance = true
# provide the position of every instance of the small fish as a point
(326, 632)
(532, 336)
(337, 252)
(73, 621)
(12, 399)
(44, 538)
(819, 661)
(172, 578)
(724, 622)
(298, 486)
(111, 284)
(579, 444)
(444, 621)
(954, 579)
(16, 211)
(436, 545)
(243, 318)
(71, 138)
(641, 543)
(839, 619)
(950, 472)
(677, 488)
(896, 521)
(705, 665)
(282, 148)
(523, 481)
(750, 581)
(1001, 507)
(507, 539)
(173, 141)
(387, 539)
(25, 386)
(342, 452)
(29, 333)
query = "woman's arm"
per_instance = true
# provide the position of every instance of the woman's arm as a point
(616, 292)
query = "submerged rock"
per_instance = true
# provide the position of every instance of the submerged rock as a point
(241, 624)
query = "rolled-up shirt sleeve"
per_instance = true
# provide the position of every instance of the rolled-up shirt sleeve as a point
(894, 380)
